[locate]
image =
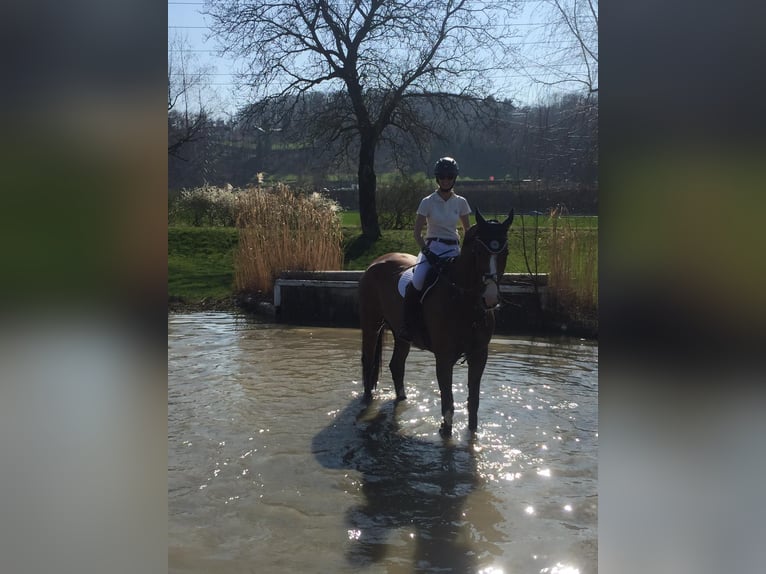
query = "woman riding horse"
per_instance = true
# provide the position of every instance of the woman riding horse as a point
(467, 286)
(441, 211)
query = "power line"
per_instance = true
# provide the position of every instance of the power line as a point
(490, 26)
(498, 74)
(530, 43)
(202, 3)
(496, 78)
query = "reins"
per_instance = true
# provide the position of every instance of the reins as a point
(494, 248)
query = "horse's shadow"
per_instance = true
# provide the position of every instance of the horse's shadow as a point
(413, 489)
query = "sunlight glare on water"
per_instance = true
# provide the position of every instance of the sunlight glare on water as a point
(274, 461)
(560, 569)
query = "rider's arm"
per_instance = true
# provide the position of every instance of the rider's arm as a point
(466, 223)
(417, 231)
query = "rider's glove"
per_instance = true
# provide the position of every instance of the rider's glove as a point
(432, 257)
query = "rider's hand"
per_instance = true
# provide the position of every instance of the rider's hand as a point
(432, 257)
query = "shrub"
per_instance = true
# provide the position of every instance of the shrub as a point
(206, 205)
(280, 230)
(398, 201)
(573, 271)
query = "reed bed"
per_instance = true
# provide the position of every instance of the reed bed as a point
(573, 269)
(280, 230)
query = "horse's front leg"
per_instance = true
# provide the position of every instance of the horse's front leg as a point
(396, 365)
(477, 360)
(444, 369)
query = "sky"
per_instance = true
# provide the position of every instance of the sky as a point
(222, 98)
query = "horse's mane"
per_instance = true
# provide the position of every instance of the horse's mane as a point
(470, 235)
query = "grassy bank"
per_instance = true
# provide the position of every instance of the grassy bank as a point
(201, 263)
(201, 259)
(211, 262)
(351, 219)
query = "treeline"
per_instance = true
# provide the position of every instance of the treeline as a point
(555, 143)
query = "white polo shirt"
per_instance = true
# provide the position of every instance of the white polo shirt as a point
(442, 216)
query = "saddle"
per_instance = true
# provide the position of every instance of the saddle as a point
(416, 311)
(413, 307)
(432, 277)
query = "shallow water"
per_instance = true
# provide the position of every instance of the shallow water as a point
(275, 466)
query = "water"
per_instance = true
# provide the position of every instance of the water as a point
(275, 466)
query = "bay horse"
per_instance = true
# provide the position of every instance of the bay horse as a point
(457, 318)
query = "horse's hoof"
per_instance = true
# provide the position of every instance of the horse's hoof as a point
(400, 398)
(445, 431)
(367, 398)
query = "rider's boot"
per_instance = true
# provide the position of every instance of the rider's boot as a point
(410, 311)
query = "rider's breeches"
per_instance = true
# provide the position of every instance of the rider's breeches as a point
(422, 267)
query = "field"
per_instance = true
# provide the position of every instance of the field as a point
(201, 263)
(201, 259)
(351, 219)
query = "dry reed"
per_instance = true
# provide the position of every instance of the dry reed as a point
(279, 231)
(573, 271)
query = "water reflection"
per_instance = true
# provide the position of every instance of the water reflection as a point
(413, 490)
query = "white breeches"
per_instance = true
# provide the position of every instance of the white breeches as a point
(422, 267)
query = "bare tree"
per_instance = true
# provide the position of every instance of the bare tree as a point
(380, 57)
(562, 58)
(187, 114)
(569, 39)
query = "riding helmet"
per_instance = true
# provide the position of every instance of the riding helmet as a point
(445, 167)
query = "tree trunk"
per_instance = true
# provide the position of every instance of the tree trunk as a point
(368, 211)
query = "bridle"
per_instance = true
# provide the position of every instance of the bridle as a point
(494, 249)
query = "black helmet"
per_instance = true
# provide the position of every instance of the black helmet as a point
(446, 166)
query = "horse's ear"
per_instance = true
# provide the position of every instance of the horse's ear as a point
(479, 217)
(508, 220)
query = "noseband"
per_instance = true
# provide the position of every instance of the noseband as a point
(494, 249)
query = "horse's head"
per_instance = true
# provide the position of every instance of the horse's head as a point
(488, 245)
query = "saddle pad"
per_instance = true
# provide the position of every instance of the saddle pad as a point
(431, 278)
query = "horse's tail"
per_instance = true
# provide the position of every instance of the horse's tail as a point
(378, 359)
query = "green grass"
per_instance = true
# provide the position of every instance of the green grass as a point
(200, 262)
(290, 146)
(529, 221)
(359, 253)
(351, 219)
(200, 259)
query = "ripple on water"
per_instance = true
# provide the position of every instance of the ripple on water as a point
(272, 460)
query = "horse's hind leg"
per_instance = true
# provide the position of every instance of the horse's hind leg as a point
(398, 359)
(372, 349)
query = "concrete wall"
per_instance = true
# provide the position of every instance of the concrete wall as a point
(331, 298)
